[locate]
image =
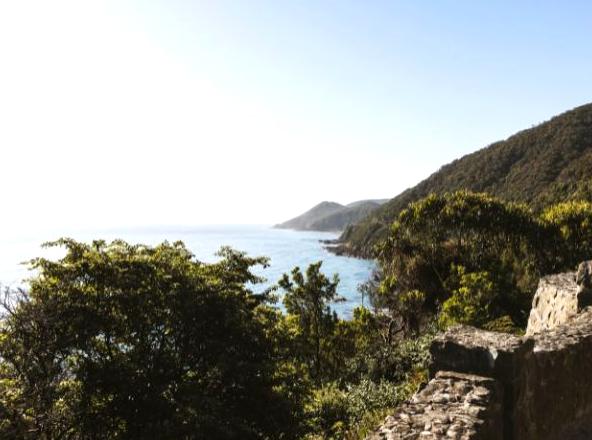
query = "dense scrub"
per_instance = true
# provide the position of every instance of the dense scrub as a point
(474, 259)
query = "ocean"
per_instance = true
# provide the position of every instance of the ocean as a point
(285, 248)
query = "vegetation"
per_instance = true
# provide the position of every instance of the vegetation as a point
(541, 166)
(135, 342)
(306, 302)
(573, 221)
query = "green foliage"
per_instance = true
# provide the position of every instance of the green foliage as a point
(406, 356)
(503, 324)
(327, 412)
(121, 341)
(358, 372)
(472, 258)
(353, 412)
(368, 397)
(369, 290)
(138, 342)
(573, 221)
(471, 302)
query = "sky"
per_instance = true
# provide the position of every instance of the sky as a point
(137, 113)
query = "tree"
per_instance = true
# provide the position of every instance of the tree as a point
(136, 342)
(307, 301)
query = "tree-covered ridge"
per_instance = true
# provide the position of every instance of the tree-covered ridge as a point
(549, 163)
(307, 220)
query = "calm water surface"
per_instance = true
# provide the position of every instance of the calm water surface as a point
(285, 248)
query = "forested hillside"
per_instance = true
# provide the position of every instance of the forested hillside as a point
(306, 221)
(331, 216)
(351, 215)
(549, 163)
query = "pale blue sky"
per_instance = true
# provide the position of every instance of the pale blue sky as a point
(187, 112)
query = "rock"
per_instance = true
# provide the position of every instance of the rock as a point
(584, 282)
(584, 275)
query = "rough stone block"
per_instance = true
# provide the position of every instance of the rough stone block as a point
(497, 355)
(555, 302)
(469, 350)
(584, 274)
(584, 281)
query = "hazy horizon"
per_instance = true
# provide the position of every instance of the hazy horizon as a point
(128, 113)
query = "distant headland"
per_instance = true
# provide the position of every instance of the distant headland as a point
(331, 216)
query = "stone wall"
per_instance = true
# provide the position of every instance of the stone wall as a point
(488, 385)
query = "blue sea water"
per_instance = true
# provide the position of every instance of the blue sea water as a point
(285, 248)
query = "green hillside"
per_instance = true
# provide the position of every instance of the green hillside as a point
(337, 221)
(306, 221)
(331, 216)
(548, 163)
